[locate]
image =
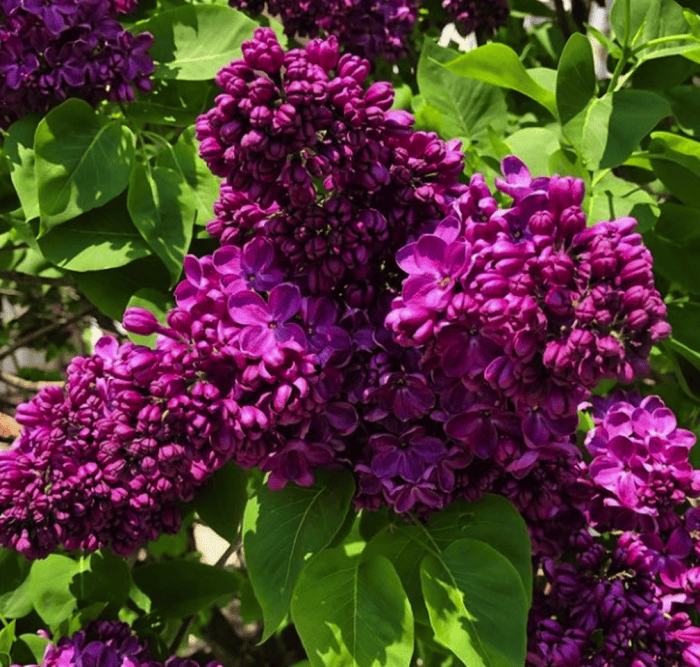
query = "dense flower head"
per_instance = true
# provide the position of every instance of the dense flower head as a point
(368, 28)
(481, 16)
(55, 50)
(525, 308)
(102, 461)
(605, 597)
(105, 644)
(640, 466)
(599, 611)
(319, 164)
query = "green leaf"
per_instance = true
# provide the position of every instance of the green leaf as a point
(103, 238)
(164, 210)
(111, 289)
(531, 8)
(157, 302)
(220, 504)
(467, 106)
(184, 158)
(493, 520)
(685, 325)
(476, 604)
(613, 198)
(194, 41)
(36, 645)
(611, 127)
(576, 79)
(534, 146)
(49, 588)
(179, 588)
(107, 579)
(499, 65)
(19, 147)
(82, 161)
(676, 161)
(7, 637)
(353, 612)
(282, 529)
(685, 104)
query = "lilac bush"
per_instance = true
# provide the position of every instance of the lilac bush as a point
(53, 51)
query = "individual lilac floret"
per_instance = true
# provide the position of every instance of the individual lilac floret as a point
(480, 16)
(105, 644)
(640, 466)
(320, 165)
(55, 50)
(104, 460)
(124, 6)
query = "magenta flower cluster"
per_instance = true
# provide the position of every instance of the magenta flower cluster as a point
(68, 48)
(365, 309)
(631, 602)
(105, 644)
(124, 6)
(320, 165)
(369, 28)
(103, 460)
(373, 28)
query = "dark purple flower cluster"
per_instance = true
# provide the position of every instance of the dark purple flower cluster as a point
(320, 165)
(105, 644)
(604, 611)
(632, 603)
(369, 28)
(480, 16)
(50, 51)
(103, 460)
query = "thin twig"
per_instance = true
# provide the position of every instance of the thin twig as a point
(26, 385)
(34, 335)
(17, 277)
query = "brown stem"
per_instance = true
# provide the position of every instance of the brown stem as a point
(18, 277)
(35, 335)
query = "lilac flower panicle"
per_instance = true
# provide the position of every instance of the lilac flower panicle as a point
(367, 28)
(105, 644)
(640, 466)
(53, 51)
(318, 165)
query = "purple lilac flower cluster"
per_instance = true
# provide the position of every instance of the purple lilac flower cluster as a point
(105, 644)
(103, 460)
(519, 312)
(51, 51)
(296, 345)
(631, 603)
(480, 16)
(320, 165)
(369, 28)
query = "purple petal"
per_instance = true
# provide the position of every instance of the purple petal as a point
(285, 301)
(249, 308)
